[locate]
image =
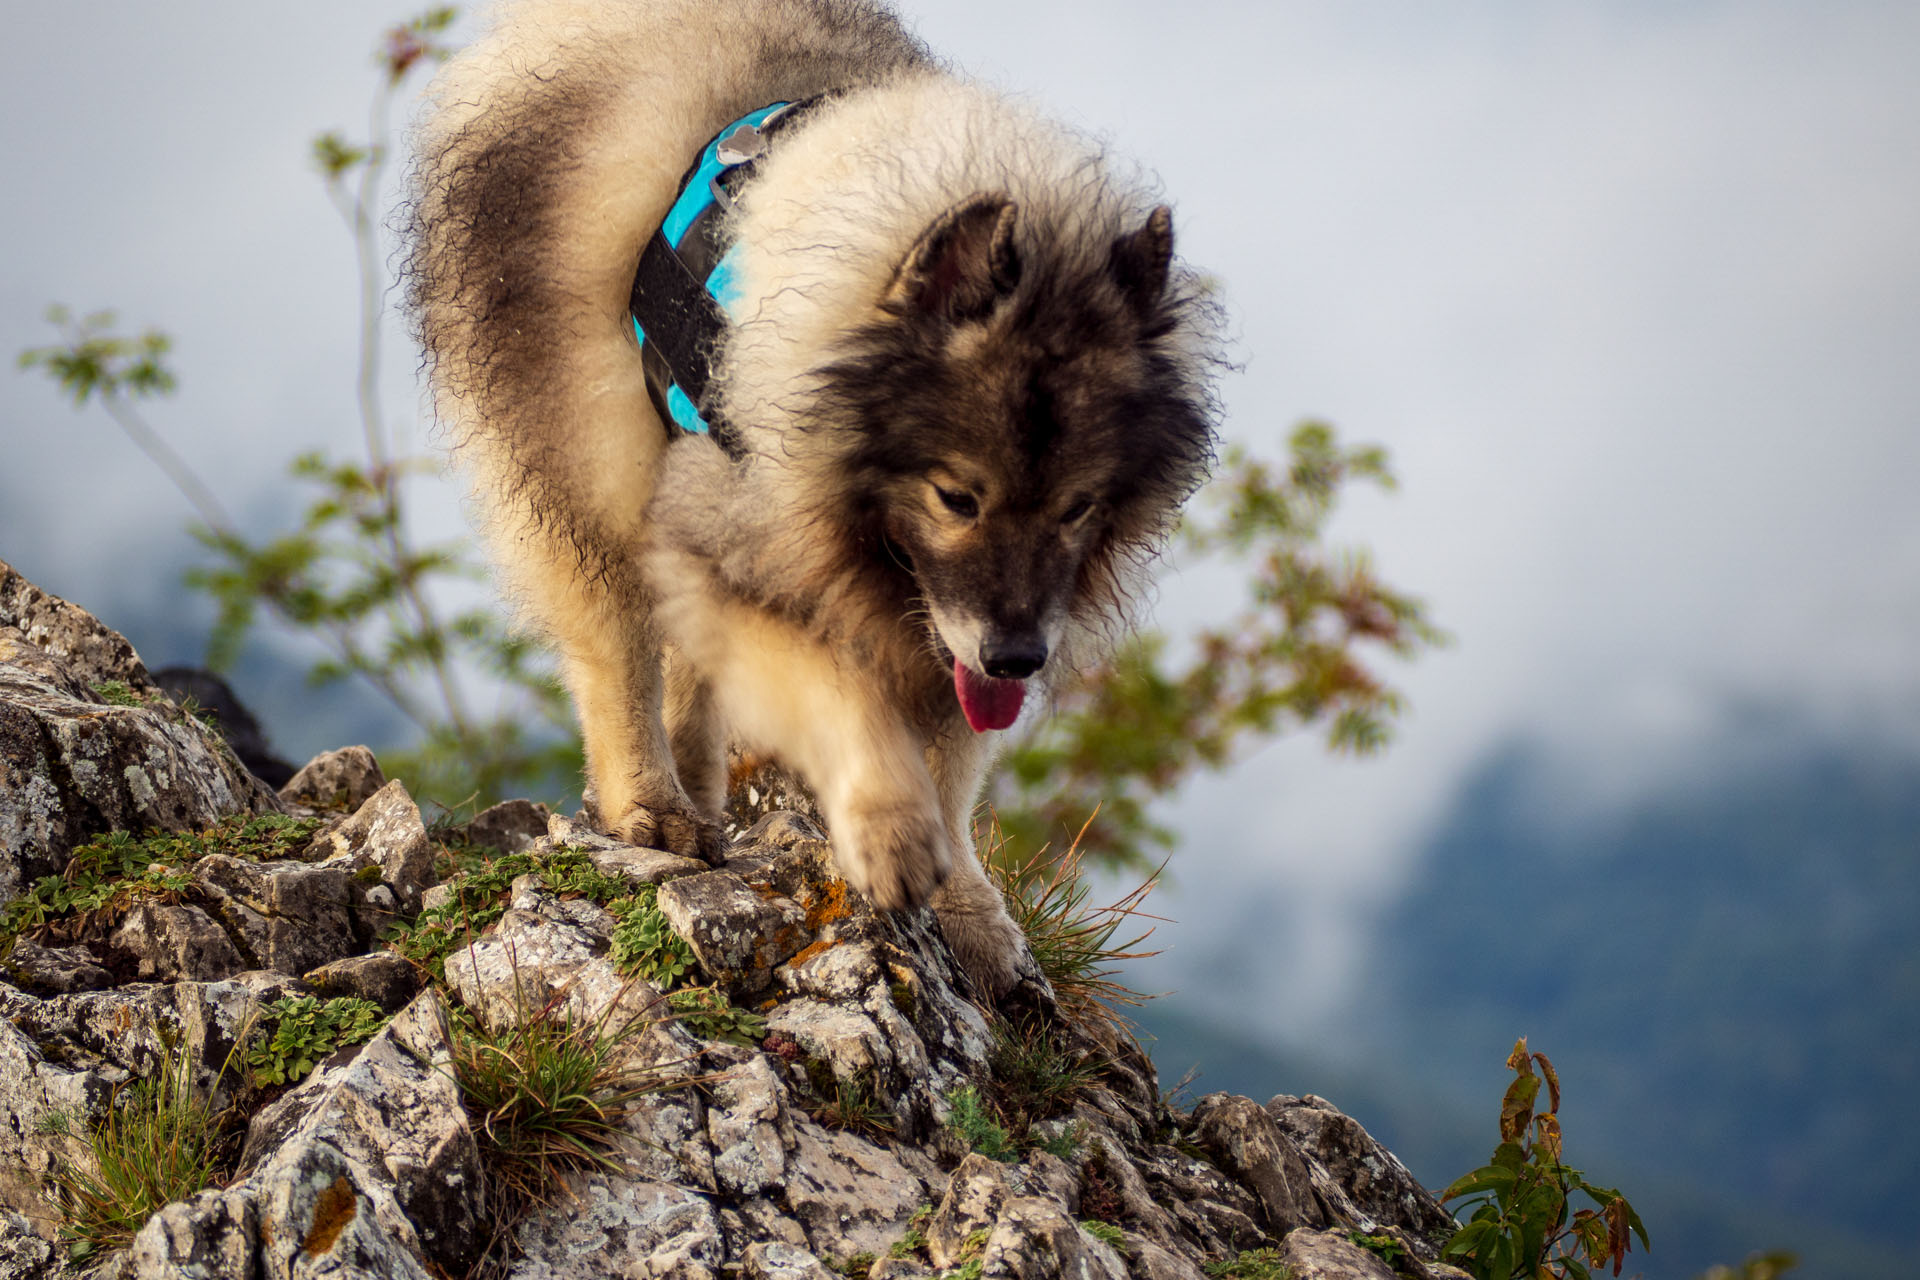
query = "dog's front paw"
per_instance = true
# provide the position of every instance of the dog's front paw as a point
(990, 947)
(681, 831)
(896, 856)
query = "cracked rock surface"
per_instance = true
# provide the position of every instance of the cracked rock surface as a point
(802, 1123)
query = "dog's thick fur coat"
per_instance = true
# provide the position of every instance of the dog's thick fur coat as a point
(969, 381)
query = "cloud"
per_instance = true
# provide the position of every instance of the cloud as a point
(1630, 291)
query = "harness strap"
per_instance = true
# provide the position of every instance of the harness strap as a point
(684, 278)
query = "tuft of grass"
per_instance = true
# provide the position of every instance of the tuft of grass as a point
(547, 1096)
(1033, 1078)
(1072, 942)
(159, 1141)
(846, 1104)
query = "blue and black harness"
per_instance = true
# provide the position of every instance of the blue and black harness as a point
(684, 287)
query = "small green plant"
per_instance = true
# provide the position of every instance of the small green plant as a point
(855, 1267)
(306, 1030)
(1066, 1144)
(970, 1119)
(546, 1095)
(1105, 1232)
(1389, 1249)
(1520, 1225)
(480, 882)
(708, 1013)
(158, 1141)
(645, 944)
(111, 872)
(1758, 1266)
(117, 693)
(1030, 1079)
(1250, 1264)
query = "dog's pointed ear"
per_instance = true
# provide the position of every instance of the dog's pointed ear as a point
(1141, 260)
(961, 265)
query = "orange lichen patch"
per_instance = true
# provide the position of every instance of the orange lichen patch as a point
(742, 765)
(331, 1214)
(808, 953)
(828, 905)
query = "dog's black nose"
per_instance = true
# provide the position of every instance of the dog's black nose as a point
(1013, 657)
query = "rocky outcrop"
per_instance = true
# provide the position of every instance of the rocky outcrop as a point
(89, 743)
(812, 1088)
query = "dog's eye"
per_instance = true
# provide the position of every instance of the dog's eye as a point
(960, 503)
(1077, 512)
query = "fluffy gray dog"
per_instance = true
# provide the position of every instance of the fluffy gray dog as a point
(959, 396)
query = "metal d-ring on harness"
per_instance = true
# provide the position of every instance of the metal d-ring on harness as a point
(685, 280)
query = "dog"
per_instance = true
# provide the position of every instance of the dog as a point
(959, 392)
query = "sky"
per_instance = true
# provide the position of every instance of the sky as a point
(1630, 291)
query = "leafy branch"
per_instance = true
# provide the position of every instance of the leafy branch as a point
(1520, 1228)
(349, 573)
(1140, 725)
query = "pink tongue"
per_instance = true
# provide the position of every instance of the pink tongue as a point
(988, 703)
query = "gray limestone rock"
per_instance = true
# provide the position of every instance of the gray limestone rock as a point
(1363, 1182)
(1249, 1146)
(624, 1228)
(736, 933)
(53, 971)
(335, 781)
(384, 835)
(24, 1253)
(388, 979)
(1329, 1255)
(88, 743)
(509, 826)
(367, 1168)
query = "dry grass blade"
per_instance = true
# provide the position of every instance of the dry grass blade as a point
(158, 1142)
(547, 1095)
(1072, 942)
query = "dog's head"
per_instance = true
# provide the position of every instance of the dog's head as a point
(1027, 414)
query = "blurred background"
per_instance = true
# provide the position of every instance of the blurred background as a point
(1631, 295)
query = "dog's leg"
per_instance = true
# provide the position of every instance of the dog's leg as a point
(698, 738)
(778, 688)
(610, 662)
(973, 913)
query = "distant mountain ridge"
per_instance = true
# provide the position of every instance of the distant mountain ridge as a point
(1727, 975)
